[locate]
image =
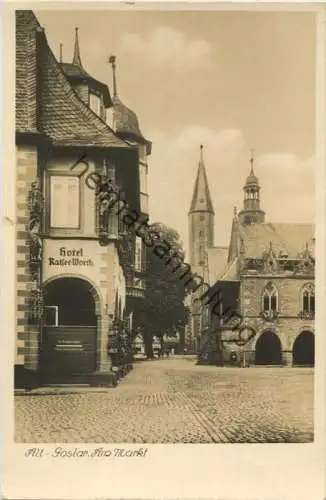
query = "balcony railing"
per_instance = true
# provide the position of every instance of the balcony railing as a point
(136, 287)
(307, 315)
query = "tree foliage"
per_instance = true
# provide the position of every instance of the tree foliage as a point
(163, 310)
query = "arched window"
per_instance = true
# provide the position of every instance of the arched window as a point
(201, 255)
(270, 298)
(308, 299)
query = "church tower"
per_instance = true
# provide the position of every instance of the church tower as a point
(251, 212)
(201, 220)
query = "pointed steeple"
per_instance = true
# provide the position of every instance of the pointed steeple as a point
(201, 198)
(76, 59)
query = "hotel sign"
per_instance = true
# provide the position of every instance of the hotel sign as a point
(70, 257)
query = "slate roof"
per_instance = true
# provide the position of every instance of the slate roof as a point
(217, 259)
(126, 122)
(26, 23)
(47, 102)
(285, 237)
(230, 271)
(78, 73)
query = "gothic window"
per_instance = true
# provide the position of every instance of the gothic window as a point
(270, 299)
(201, 234)
(308, 299)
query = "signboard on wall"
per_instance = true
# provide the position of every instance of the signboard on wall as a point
(69, 256)
(72, 257)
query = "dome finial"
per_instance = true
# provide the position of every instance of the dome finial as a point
(252, 152)
(112, 61)
(76, 59)
(60, 59)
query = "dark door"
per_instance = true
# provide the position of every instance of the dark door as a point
(68, 348)
(68, 354)
(268, 349)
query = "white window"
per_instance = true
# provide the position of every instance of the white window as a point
(51, 315)
(64, 202)
(143, 178)
(142, 152)
(138, 254)
(95, 103)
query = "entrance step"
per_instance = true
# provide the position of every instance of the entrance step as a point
(62, 389)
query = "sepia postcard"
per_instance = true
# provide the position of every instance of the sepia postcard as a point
(163, 264)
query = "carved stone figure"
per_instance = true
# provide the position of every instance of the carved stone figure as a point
(36, 242)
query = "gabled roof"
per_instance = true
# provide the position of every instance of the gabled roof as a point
(201, 198)
(217, 259)
(287, 238)
(230, 271)
(49, 103)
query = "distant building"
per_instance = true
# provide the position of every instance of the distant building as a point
(201, 239)
(266, 283)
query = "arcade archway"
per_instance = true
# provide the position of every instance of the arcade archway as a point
(304, 349)
(268, 349)
(68, 350)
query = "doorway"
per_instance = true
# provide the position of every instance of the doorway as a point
(68, 347)
(268, 349)
(304, 349)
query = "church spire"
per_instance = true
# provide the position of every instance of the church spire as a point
(201, 198)
(76, 59)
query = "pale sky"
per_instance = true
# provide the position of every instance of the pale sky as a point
(232, 81)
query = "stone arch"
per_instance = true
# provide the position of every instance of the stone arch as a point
(268, 348)
(303, 349)
(93, 288)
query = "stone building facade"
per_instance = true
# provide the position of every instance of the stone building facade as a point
(265, 281)
(201, 238)
(75, 254)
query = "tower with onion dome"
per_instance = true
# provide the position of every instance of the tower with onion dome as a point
(251, 212)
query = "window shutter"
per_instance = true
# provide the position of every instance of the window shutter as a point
(64, 202)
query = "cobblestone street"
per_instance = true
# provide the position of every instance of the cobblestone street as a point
(175, 401)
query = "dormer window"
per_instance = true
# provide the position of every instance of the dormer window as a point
(95, 103)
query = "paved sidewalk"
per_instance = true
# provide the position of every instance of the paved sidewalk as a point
(175, 401)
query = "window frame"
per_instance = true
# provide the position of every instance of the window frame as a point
(98, 100)
(138, 257)
(80, 202)
(270, 292)
(308, 292)
(56, 310)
